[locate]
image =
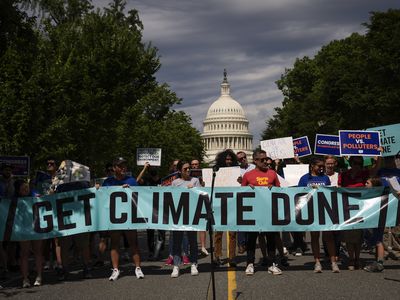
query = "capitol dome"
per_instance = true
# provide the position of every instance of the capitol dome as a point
(226, 126)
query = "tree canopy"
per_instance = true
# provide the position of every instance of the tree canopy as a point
(353, 83)
(79, 83)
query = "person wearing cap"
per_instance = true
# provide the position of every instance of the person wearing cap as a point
(121, 179)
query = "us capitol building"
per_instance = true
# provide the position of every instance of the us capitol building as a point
(226, 126)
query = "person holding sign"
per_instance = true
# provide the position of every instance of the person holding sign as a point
(314, 179)
(224, 159)
(121, 179)
(262, 175)
(189, 182)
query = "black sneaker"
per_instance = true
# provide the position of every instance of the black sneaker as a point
(62, 274)
(86, 273)
(375, 267)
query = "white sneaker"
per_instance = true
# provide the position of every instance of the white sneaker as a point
(193, 270)
(38, 281)
(139, 273)
(317, 268)
(204, 251)
(26, 283)
(47, 266)
(175, 272)
(114, 276)
(274, 270)
(249, 270)
(285, 251)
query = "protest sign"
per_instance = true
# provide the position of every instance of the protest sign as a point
(390, 139)
(301, 146)
(294, 172)
(326, 144)
(20, 164)
(174, 208)
(359, 142)
(224, 176)
(167, 180)
(278, 148)
(150, 155)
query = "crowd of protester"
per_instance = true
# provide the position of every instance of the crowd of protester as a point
(183, 247)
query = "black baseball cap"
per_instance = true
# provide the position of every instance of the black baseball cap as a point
(119, 161)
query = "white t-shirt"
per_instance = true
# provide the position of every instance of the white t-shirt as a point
(184, 183)
(334, 179)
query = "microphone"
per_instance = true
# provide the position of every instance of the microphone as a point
(215, 168)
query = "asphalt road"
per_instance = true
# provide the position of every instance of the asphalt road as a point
(297, 282)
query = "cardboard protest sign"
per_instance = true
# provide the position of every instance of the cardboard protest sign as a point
(278, 148)
(224, 177)
(359, 142)
(301, 146)
(150, 155)
(293, 173)
(326, 144)
(390, 139)
(20, 164)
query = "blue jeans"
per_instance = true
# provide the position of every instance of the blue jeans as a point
(177, 246)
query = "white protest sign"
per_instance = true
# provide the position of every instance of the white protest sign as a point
(294, 172)
(278, 148)
(282, 181)
(224, 177)
(150, 155)
(394, 183)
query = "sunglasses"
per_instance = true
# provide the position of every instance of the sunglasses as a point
(51, 163)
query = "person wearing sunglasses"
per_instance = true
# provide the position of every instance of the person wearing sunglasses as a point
(187, 181)
(262, 175)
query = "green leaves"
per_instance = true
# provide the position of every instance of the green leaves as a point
(352, 83)
(82, 86)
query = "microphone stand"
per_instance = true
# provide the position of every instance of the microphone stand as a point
(210, 218)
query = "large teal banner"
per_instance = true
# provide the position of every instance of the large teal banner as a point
(171, 208)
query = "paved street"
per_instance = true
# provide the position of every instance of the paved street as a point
(297, 282)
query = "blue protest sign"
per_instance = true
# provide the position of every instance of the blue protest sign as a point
(326, 144)
(359, 142)
(19, 164)
(390, 139)
(301, 146)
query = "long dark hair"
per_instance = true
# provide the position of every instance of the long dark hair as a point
(221, 157)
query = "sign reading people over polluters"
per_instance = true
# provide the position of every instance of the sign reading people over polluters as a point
(173, 208)
(358, 142)
(301, 146)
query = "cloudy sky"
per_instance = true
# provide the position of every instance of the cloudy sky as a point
(255, 40)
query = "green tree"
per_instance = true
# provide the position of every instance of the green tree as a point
(350, 84)
(86, 72)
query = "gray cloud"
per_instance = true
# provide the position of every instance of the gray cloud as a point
(254, 39)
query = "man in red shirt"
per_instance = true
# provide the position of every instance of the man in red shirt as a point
(262, 175)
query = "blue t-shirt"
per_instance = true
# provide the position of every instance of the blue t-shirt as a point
(112, 181)
(310, 180)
